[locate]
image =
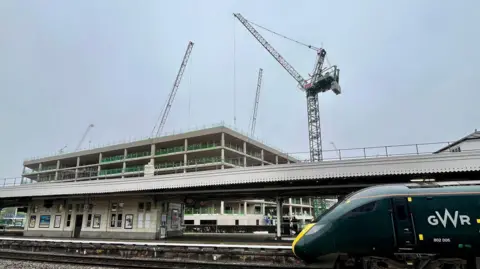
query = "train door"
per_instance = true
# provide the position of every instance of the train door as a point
(78, 226)
(404, 227)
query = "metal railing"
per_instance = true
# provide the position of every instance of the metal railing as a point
(376, 151)
(174, 132)
(303, 156)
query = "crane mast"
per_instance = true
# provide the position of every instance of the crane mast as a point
(90, 126)
(173, 92)
(321, 80)
(301, 81)
(255, 105)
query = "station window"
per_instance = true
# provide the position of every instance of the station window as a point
(69, 219)
(141, 206)
(119, 220)
(148, 206)
(114, 207)
(69, 207)
(258, 222)
(208, 222)
(237, 222)
(112, 220)
(89, 220)
(189, 222)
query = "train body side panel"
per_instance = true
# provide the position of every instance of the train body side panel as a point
(446, 224)
(365, 232)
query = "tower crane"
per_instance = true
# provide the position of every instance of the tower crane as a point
(157, 129)
(255, 105)
(90, 126)
(321, 80)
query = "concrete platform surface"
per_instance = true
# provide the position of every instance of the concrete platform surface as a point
(224, 239)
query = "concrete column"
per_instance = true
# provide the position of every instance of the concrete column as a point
(222, 140)
(58, 167)
(222, 207)
(290, 210)
(152, 154)
(222, 158)
(301, 201)
(239, 208)
(245, 153)
(276, 159)
(39, 169)
(124, 162)
(279, 218)
(76, 170)
(185, 161)
(185, 144)
(99, 161)
(23, 173)
(263, 208)
(310, 201)
(261, 156)
(245, 208)
(290, 200)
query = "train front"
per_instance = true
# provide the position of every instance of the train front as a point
(316, 242)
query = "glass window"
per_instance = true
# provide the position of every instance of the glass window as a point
(365, 208)
(69, 219)
(148, 206)
(119, 220)
(112, 220)
(89, 220)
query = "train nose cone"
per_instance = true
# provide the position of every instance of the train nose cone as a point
(298, 248)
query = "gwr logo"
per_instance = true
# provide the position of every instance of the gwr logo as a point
(434, 220)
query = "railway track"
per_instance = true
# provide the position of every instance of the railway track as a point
(131, 262)
(149, 255)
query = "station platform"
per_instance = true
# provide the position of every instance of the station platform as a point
(187, 239)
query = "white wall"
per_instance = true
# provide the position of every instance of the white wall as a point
(102, 207)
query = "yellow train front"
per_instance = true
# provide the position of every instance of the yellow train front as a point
(395, 224)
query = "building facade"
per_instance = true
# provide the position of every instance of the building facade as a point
(247, 212)
(127, 217)
(203, 150)
(208, 149)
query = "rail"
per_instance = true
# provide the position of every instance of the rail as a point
(148, 254)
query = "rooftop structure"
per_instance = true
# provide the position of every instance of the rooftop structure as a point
(467, 143)
(201, 150)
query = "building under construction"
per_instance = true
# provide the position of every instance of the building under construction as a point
(208, 149)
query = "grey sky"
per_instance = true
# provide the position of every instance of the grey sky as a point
(409, 71)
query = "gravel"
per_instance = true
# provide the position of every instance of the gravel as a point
(17, 264)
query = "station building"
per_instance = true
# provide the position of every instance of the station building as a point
(142, 217)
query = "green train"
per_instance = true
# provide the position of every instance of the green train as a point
(413, 225)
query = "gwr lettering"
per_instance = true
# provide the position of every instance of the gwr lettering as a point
(435, 220)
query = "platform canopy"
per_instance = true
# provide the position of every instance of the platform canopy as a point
(267, 178)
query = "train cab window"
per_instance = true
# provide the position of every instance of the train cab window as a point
(365, 208)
